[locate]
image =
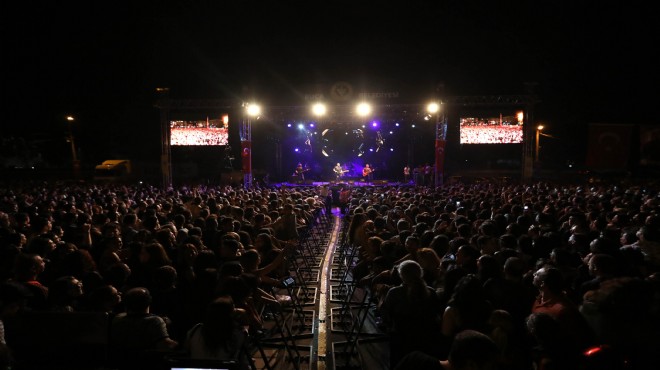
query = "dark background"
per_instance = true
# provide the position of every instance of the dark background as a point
(101, 62)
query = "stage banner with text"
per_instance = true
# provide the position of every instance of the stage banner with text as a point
(609, 146)
(649, 145)
(246, 156)
(440, 155)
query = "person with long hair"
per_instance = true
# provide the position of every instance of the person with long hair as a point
(220, 336)
(411, 312)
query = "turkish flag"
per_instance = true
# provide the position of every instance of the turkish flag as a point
(440, 155)
(246, 156)
(609, 146)
(649, 145)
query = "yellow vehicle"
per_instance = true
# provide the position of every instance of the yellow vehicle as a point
(113, 170)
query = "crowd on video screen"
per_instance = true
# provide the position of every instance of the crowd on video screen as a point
(209, 132)
(490, 131)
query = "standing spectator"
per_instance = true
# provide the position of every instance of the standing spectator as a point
(553, 301)
(411, 311)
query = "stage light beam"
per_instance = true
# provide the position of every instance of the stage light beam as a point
(363, 109)
(253, 110)
(319, 109)
(433, 108)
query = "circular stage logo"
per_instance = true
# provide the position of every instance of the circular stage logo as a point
(341, 91)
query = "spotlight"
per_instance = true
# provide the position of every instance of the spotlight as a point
(363, 109)
(253, 110)
(324, 153)
(319, 109)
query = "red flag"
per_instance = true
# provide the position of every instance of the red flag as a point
(649, 145)
(609, 146)
(246, 154)
(440, 155)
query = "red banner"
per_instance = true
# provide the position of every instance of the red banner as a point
(440, 155)
(649, 145)
(609, 146)
(246, 156)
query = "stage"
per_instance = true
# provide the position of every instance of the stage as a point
(351, 183)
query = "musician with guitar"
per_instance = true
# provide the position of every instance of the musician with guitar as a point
(367, 173)
(339, 172)
(300, 172)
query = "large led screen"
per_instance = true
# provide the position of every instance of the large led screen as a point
(492, 130)
(207, 132)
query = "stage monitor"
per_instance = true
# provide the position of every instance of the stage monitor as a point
(492, 130)
(203, 132)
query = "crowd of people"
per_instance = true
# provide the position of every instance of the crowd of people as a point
(163, 264)
(558, 277)
(540, 276)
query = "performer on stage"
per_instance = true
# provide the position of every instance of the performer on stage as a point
(300, 172)
(339, 172)
(367, 173)
(406, 174)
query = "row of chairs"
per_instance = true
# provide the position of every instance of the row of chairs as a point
(294, 323)
(355, 305)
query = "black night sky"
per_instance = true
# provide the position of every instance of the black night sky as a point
(101, 61)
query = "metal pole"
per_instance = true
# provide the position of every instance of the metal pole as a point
(536, 151)
(74, 155)
(165, 148)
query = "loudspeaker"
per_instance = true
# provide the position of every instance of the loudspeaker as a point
(380, 182)
(309, 182)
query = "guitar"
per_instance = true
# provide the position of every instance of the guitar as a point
(367, 171)
(340, 172)
(299, 171)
